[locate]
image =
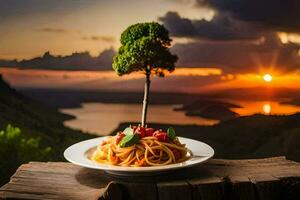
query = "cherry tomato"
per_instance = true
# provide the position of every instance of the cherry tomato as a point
(119, 137)
(161, 136)
(140, 131)
(134, 128)
(149, 131)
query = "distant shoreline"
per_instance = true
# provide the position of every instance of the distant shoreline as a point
(64, 98)
(70, 98)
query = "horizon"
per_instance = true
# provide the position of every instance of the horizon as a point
(219, 47)
(206, 81)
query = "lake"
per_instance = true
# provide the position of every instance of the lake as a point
(101, 118)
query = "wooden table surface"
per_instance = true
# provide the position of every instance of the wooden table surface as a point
(271, 178)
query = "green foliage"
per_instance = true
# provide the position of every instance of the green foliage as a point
(41, 127)
(145, 45)
(15, 150)
(129, 140)
(37, 121)
(171, 133)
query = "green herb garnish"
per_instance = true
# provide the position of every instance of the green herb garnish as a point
(129, 140)
(128, 131)
(171, 133)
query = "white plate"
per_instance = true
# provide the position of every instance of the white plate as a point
(79, 154)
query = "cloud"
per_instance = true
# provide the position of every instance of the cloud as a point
(19, 8)
(53, 30)
(109, 39)
(276, 14)
(240, 57)
(75, 61)
(240, 38)
(103, 38)
(221, 27)
(178, 26)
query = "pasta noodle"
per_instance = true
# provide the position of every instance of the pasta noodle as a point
(148, 151)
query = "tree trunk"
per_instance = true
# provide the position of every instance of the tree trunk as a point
(146, 96)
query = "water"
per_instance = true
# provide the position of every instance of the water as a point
(265, 107)
(102, 119)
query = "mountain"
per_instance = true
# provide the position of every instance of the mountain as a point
(75, 61)
(36, 120)
(30, 131)
(9, 63)
(211, 109)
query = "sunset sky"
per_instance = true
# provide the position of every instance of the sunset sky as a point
(227, 43)
(31, 27)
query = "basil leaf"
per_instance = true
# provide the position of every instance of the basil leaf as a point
(171, 133)
(129, 140)
(128, 131)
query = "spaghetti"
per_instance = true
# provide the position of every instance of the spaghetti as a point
(149, 148)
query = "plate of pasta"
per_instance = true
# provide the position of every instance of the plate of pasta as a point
(139, 150)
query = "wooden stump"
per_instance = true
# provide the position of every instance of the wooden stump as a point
(271, 178)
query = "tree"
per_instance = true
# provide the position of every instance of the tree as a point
(145, 48)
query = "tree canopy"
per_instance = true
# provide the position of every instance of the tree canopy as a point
(145, 47)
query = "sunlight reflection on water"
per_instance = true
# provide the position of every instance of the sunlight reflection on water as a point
(103, 118)
(265, 107)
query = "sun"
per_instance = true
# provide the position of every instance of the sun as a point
(267, 77)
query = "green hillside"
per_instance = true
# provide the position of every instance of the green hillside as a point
(35, 121)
